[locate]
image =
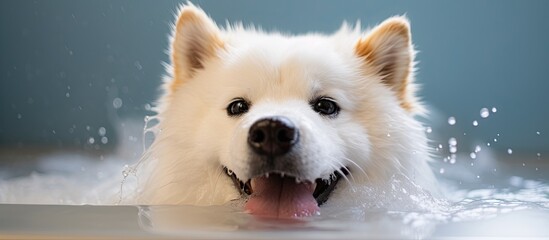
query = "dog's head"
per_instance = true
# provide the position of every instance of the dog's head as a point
(285, 117)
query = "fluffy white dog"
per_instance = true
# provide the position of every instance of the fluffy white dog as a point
(283, 123)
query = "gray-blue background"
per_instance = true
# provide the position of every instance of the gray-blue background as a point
(62, 63)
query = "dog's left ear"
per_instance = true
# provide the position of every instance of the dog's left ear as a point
(387, 51)
(196, 39)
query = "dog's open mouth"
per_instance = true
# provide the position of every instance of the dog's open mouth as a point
(282, 196)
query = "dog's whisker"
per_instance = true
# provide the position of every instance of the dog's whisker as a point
(357, 166)
(338, 170)
(220, 173)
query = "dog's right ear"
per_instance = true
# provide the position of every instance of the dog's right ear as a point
(196, 38)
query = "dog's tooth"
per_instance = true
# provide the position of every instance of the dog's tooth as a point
(297, 180)
(282, 174)
(267, 175)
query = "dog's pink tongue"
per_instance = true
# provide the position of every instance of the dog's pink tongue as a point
(280, 197)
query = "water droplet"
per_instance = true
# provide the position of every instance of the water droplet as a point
(388, 135)
(451, 120)
(495, 140)
(104, 140)
(477, 148)
(117, 103)
(137, 65)
(453, 159)
(488, 144)
(91, 140)
(524, 164)
(472, 164)
(475, 123)
(102, 131)
(478, 176)
(473, 155)
(495, 170)
(538, 133)
(453, 149)
(452, 141)
(484, 113)
(494, 109)
(538, 154)
(428, 130)
(441, 171)
(509, 151)
(19, 116)
(440, 146)
(67, 95)
(148, 107)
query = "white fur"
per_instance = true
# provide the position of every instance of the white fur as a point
(374, 136)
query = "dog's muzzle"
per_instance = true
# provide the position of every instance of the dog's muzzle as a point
(273, 136)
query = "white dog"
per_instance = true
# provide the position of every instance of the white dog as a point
(283, 123)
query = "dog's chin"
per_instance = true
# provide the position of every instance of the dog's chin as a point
(279, 195)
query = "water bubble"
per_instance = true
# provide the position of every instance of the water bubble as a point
(488, 144)
(538, 154)
(388, 135)
(473, 155)
(452, 141)
(451, 120)
(91, 140)
(428, 130)
(440, 146)
(475, 123)
(104, 140)
(494, 109)
(19, 116)
(453, 149)
(509, 151)
(478, 176)
(67, 95)
(87, 127)
(495, 140)
(117, 103)
(484, 113)
(477, 148)
(441, 171)
(472, 164)
(524, 164)
(538, 133)
(102, 131)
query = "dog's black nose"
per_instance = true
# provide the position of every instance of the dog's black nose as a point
(273, 136)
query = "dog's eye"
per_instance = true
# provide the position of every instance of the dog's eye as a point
(325, 106)
(237, 107)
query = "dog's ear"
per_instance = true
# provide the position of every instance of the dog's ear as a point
(195, 39)
(387, 51)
